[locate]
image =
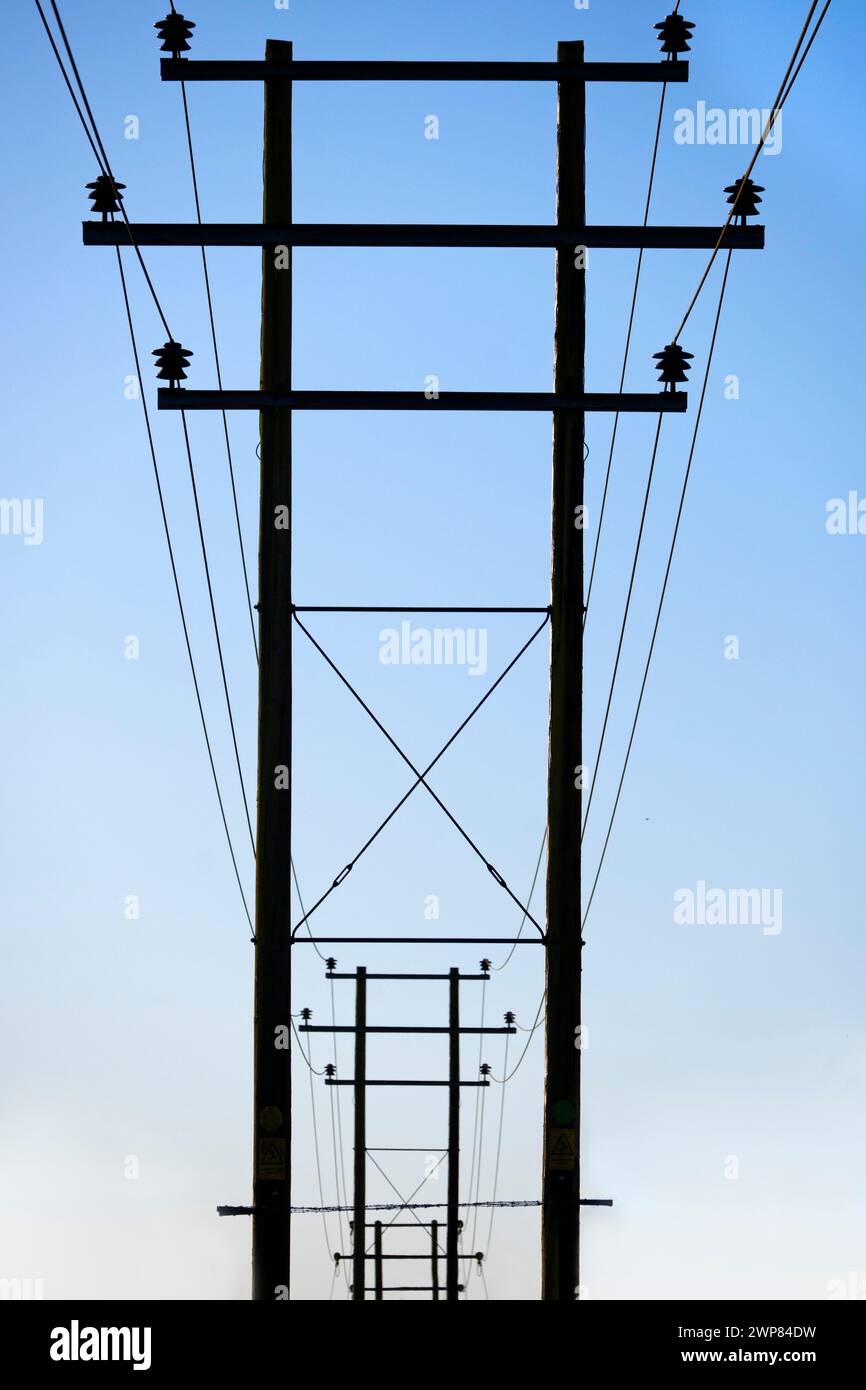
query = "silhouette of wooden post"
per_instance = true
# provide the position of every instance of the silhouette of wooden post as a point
(452, 1230)
(273, 1063)
(434, 1259)
(380, 1297)
(359, 1268)
(561, 1163)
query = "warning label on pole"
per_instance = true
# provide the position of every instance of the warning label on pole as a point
(562, 1149)
(272, 1158)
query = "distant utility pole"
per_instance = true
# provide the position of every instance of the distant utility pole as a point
(273, 1062)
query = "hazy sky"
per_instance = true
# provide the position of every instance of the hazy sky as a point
(726, 1064)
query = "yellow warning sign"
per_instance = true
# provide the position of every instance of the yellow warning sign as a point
(272, 1158)
(562, 1149)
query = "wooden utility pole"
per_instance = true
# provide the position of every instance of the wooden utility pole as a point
(380, 1277)
(359, 1269)
(273, 1060)
(561, 1163)
(452, 1230)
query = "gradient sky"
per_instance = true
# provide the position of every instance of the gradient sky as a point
(131, 1039)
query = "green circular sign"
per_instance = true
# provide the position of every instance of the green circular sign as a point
(564, 1112)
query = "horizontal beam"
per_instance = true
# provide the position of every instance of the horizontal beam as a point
(206, 70)
(383, 1028)
(405, 608)
(428, 1256)
(407, 1288)
(417, 941)
(410, 1206)
(345, 975)
(428, 234)
(651, 403)
(333, 1081)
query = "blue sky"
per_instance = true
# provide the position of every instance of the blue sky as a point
(131, 1039)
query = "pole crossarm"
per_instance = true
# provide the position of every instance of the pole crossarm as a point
(404, 608)
(371, 975)
(611, 403)
(353, 1081)
(749, 238)
(412, 940)
(306, 70)
(385, 1028)
(413, 1206)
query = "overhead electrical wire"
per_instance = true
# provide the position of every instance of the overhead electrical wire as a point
(664, 582)
(216, 629)
(524, 917)
(781, 97)
(791, 75)
(625, 358)
(91, 131)
(194, 172)
(176, 580)
(503, 1080)
(498, 1149)
(101, 156)
(478, 1096)
(623, 625)
(313, 1072)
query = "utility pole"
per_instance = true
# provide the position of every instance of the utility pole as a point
(359, 1271)
(380, 1279)
(273, 1063)
(452, 1230)
(561, 1162)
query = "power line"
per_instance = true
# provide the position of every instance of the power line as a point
(478, 1097)
(619, 646)
(804, 55)
(628, 338)
(216, 629)
(312, 1072)
(101, 156)
(216, 355)
(503, 1080)
(98, 149)
(788, 82)
(498, 1148)
(785, 91)
(523, 919)
(409, 1205)
(664, 583)
(782, 96)
(338, 1139)
(307, 1059)
(181, 609)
